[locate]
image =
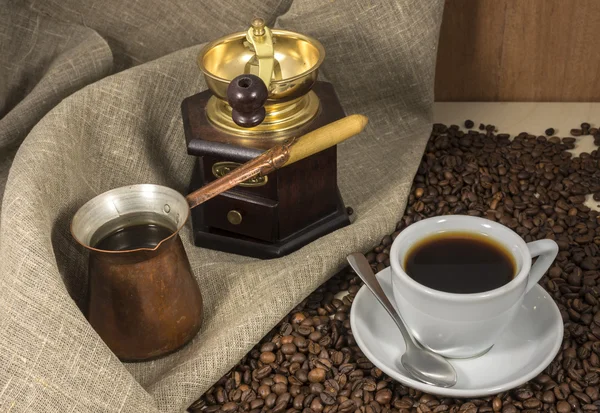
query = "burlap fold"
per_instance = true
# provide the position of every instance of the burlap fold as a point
(90, 96)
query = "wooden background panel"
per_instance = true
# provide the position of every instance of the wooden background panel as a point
(519, 50)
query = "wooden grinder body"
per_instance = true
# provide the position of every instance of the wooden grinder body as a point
(296, 205)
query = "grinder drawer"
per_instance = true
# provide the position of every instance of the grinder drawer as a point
(254, 217)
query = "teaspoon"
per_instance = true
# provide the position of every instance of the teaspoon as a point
(422, 364)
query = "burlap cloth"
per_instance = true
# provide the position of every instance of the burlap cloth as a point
(90, 95)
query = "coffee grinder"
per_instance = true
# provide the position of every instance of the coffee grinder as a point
(262, 90)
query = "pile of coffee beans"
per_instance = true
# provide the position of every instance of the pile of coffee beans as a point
(310, 362)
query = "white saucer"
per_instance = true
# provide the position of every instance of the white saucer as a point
(525, 350)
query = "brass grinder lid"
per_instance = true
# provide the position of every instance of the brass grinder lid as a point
(288, 64)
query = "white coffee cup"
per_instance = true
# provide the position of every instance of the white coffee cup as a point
(465, 325)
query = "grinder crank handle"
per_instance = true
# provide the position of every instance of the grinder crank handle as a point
(282, 155)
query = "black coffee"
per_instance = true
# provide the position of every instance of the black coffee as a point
(134, 237)
(458, 262)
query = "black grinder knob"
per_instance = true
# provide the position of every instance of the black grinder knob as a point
(247, 95)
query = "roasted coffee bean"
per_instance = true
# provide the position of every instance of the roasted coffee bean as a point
(257, 404)
(304, 330)
(267, 357)
(279, 388)
(468, 408)
(403, 403)
(308, 410)
(327, 398)
(316, 375)
(497, 404)
(288, 349)
(300, 342)
(279, 407)
(346, 406)
(297, 318)
(383, 396)
(229, 407)
(559, 393)
(337, 357)
(267, 381)
(314, 348)
(298, 358)
(563, 407)
(284, 398)
(301, 375)
(584, 398)
(346, 368)
(270, 400)
(323, 363)
(332, 386)
(316, 388)
(575, 132)
(296, 390)
(199, 405)
(524, 394)
(316, 405)
(247, 394)
(268, 347)
(221, 395)
(369, 385)
(532, 403)
(315, 336)
(592, 392)
(279, 378)
(298, 402)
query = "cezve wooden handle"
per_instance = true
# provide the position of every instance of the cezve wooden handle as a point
(325, 137)
(282, 155)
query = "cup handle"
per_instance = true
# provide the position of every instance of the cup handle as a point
(546, 250)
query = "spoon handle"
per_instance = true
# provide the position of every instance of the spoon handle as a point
(360, 264)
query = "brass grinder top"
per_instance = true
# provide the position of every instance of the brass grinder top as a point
(288, 64)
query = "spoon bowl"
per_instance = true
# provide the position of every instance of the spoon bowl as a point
(424, 365)
(428, 367)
